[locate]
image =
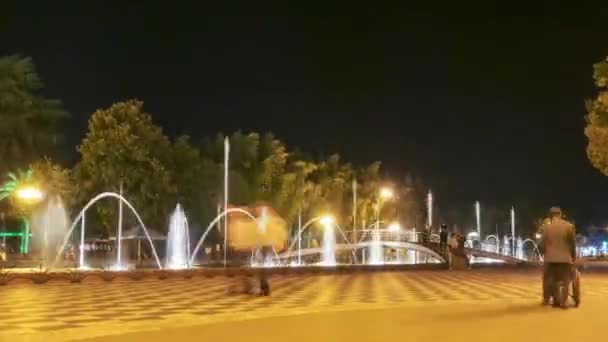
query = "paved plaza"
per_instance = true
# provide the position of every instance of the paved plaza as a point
(440, 305)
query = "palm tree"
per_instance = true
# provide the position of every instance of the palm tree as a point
(15, 182)
(7, 190)
(28, 129)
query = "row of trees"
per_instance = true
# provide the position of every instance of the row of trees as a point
(123, 148)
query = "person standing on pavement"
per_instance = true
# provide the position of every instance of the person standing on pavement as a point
(453, 251)
(263, 276)
(443, 239)
(559, 249)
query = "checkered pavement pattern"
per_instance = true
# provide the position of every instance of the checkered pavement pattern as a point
(26, 308)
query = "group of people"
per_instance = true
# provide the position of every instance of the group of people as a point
(557, 244)
(256, 284)
(453, 248)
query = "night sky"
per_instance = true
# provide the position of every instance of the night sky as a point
(481, 105)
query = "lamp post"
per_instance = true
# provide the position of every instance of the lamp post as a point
(429, 210)
(478, 218)
(355, 209)
(513, 229)
(226, 168)
(29, 195)
(119, 234)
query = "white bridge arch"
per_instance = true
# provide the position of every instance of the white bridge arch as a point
(367, 244)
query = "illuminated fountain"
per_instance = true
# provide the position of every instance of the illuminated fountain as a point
(506, 250)
(376, 255)
(178, 240)
(212, 224)
(329, 245)
(514, 240)
(478, 218)
(492, 246)
(49, 226)
(80, 218)
(519, 248)
(429, 209)
(375, 249)
(533, 251)
(328, 248)
(329, 241)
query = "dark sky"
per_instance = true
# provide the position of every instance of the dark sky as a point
(481, 105)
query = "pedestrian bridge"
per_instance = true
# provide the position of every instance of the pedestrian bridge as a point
(409, 247)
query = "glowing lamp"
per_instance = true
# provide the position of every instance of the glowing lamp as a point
(394, 227)
(30, 194)
(327, 221)
(386, 193)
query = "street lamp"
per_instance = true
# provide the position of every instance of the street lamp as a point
(386, 193)
(394, 227)
(327, 221)
(30, 194)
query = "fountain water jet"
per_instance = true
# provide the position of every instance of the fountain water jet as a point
(506, 250)
(534, 247)
(513, 248)
(478, 219)
(306, 226)
(429, 209)
(375, 250)
(81, 215)
(329, 246)
(178, 240)
(211, 224)
(519, 250)
(49, 225)
(496, 241)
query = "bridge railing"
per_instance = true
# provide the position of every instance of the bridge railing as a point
(432, 241)
(388, 235)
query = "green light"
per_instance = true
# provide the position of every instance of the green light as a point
(11, 234)
(25, 237)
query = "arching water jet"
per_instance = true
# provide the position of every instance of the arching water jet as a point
(87, 206)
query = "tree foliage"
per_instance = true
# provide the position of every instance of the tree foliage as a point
(18, 208)
(597, 120)
(28, 128)
(53, 178)
(123, 146)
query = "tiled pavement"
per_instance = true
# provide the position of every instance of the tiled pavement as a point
(64, 311)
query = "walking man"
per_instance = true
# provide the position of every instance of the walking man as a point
(559, 250)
